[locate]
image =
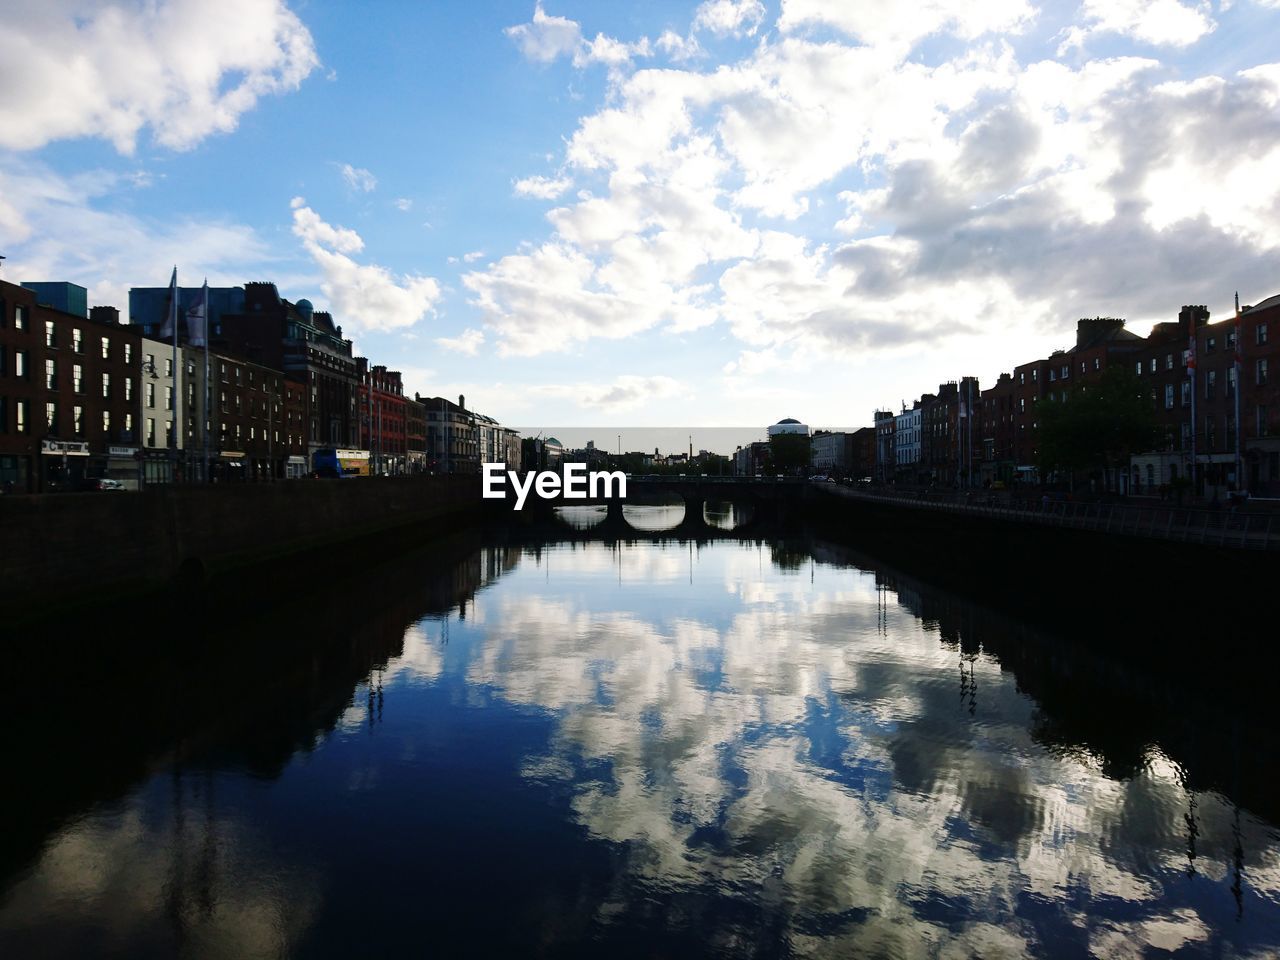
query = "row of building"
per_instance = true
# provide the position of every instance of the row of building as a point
(1215, 403)
(1209, 385)
(255, 389)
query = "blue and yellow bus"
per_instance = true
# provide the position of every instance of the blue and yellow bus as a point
(336, 463)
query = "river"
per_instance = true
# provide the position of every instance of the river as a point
(649, 749)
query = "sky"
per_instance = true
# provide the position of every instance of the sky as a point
(706, 214)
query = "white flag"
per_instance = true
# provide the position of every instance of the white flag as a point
(196, 325)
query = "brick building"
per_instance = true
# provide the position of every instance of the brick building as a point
(383, 418)
(68, 393)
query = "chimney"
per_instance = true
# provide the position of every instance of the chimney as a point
(462, 401)
(104, 314)
(1196, 315)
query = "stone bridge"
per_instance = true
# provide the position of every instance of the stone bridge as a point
(770, 502)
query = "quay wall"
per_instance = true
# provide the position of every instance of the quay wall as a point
(56, 549)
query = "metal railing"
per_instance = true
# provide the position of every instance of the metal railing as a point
(1231, 527)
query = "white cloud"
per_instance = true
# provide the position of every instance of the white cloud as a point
(679, 48)
(358, 178)
(473, 256)
(740, 18)
(611, 52)
(185, 69)
(543, 188)
(404, 204)
(887, 23)
(624, 393)
(366, 297)
(468, 342)
(546, 38)
(61, 228)
(1157, 22)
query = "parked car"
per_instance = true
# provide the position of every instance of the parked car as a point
(102, 483)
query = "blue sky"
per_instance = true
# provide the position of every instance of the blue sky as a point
(716, 213)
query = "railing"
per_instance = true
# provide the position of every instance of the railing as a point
(1224, 527)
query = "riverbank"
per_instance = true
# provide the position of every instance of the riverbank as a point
(85, 550)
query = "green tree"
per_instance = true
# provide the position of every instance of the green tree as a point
(1099, 426)
(788, 453)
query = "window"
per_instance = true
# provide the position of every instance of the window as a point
(1210, 384)
(1022, 405)
(77, 378)
(128, 388)
(151, 395)
(106, 386)
(1022, 378)
(20, 363)
(1155, 364)
(4, 360)
(1097, 363)
(1186, 435)
(151, 431)
(222, 372)
(1211, 432)
(1082, 366)
(50, 334)
(1262, 420)
(223, 401)
(168, 367)
(20, 408)
(1168, 361)
(106, 421)
(128, 353)
(1066, 371)
(106, 349)
(19, 323)
(77, 341)
(1035, 375)
(1260, 372)
(1260, 334)
(1053, 375)
(1168, 396)
(51, 417)
(168, 398)
(1186, 393)
(168, 433)
(77, 420)
(128, 425)
(1209, 344)
(1139, 368)
(1231, 381)
(51, 374)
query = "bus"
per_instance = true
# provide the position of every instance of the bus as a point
(334, 463)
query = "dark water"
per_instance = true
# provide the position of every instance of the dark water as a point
(653, 749)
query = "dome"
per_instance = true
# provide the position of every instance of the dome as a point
(305, 308)
(788, 420)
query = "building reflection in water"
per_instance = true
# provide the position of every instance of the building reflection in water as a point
(687, 744)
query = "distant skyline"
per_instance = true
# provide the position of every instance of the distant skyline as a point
(724, 212)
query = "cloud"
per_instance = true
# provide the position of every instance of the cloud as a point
(546, 38)
(366, 297)
(823, 196)
(184, 70)
(1157, 22)
(473, 256)
(543, 188)
(61, 227)
(679, 48)
(358, 178)
(624, 393)
(739, 18)
(404, 204)
(468, 342)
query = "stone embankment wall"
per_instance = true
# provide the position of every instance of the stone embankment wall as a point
(55, 548)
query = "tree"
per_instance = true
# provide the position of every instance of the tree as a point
(1099, 426)
(788, 453)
